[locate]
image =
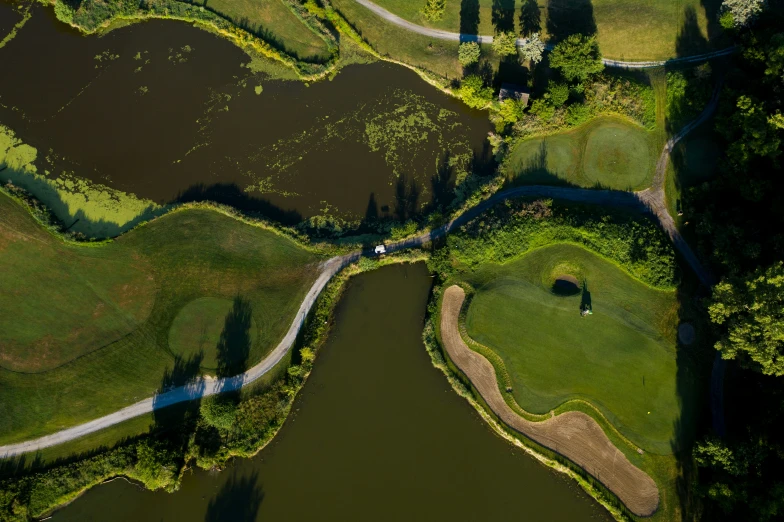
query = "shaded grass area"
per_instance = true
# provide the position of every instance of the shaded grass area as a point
(621, 358)
(273, 22)
(606, 152)
(654, 30)
(112, 307)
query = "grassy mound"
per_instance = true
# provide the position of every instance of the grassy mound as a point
(609, 152)
(84, 330)
(621, 358)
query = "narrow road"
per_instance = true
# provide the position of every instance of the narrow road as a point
(650, 201)
(459, 37)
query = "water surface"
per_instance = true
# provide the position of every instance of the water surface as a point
(378, 434)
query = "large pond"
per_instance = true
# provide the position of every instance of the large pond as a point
(378, 434)
(169, 112)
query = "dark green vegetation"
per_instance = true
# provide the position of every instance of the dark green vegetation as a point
(621, 358)
(735, 218)
(656, 30)
(86, 330)
(530, 326)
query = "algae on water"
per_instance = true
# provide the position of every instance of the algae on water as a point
(90, 208)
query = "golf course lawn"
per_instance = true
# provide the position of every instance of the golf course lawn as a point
(275, 23)
(654, 30)
(607, 152)
(86, 330)
(621, 358)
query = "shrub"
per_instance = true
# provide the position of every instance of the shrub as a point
(468, 53)
(218, 411)
(474, 93)
(577, 57)
(506, 113)
(505, 43)
(558, 94)
(434, 10)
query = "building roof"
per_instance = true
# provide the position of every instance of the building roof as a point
(513, 91)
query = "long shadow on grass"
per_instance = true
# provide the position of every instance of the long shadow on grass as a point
(469, 19)
(530, 18)
(238, 500)
(568, 17)
(503, 12)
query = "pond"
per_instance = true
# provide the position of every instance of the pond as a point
(169, 112)
(377, 434)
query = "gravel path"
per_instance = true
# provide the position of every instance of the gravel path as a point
(458, 37)
(573, 434)
(650, 201)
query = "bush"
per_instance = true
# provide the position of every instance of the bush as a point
(505, 43)
(474, 93)
(468, 53)
(218, 411)
(434, 10)
(558, 94)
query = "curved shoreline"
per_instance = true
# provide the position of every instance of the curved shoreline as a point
(573, 434)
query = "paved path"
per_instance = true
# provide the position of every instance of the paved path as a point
(649, 201)
(458, 37)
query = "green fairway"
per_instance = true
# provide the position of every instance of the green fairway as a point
(654, 30)
(620, 359)
(275, 23)
(607, 152)
(86, 330)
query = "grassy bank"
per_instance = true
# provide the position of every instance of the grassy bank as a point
(657, 30)
(510, 258)
(87, 331)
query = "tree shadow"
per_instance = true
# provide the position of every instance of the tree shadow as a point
(530, 18)
(232, 195)
(238, 500)
(690, 39)
(502, 16)
(568, 17)
(442, 183)
(469, 19)
(234, 346)
(371, 213)
(406, 198)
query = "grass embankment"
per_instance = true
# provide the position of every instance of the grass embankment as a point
(606, 152)
(510, 258)
(656, 30)
(620, 359)
(87, 330)
(274, 22)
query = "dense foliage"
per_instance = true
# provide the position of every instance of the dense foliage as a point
(434, 10)
(468, 53)
(577, 58)
(739, 226)
(751, 311)
(532, 49)
(474, 92)
(510, 229)
(505, 43)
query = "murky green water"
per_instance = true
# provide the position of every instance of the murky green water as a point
(169, 112)
(378, 434)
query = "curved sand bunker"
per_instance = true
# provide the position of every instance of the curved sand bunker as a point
(573, 434)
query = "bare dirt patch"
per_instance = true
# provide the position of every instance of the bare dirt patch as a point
(574, 435)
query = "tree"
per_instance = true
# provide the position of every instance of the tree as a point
(577, 57)
(558, 93)
(506, 113)
(474, 93)
(752, 131)
(434, 10)
(505, 43)
(751, 310)
(468, 53)
(532, 49)
(218, 411)
(743, 12)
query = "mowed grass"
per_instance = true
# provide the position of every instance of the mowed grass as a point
(653, 30)
(273, 21)
(437, 56)
(694, 160)
(85, 331)
(621, 359)
(606, 152)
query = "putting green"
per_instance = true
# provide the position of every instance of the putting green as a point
(621, 359)
(199, 327)
(609, 152)
(618, 156)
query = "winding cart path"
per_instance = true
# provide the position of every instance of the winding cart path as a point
(460, 37)
(650, 201)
